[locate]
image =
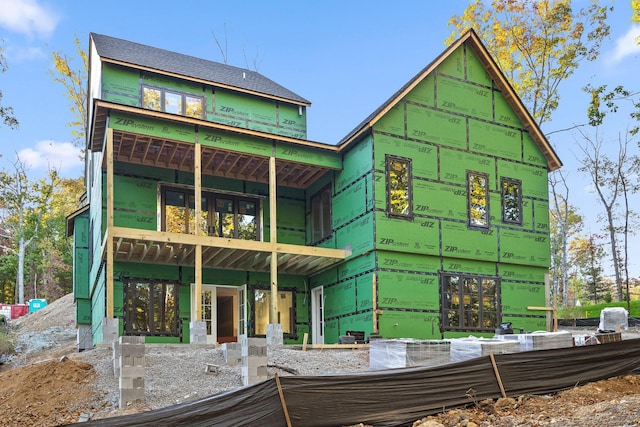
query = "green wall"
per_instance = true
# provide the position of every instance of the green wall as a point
(123, 86)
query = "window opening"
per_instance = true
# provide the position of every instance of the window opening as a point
(225, 215)
(262, 308)
(151, 308)
(469, 302)
(174, 102)
(511, 201)
(399, 199)
(321, 214)
(478, 199)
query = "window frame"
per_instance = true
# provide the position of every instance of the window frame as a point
(518, 183)
(470, 207)
(389, 158)
(318, 214)
(163, 97)
(447, 309)
(130, 308)
(292, 319)
(210, 197)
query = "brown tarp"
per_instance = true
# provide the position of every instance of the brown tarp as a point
(395, 397)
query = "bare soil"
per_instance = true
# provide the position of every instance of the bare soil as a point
(50, 384)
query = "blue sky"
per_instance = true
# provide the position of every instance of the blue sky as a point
(346, 57)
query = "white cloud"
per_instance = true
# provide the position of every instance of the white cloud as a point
(62, 156)
(16, 55)
(627, 45)
(27, 17)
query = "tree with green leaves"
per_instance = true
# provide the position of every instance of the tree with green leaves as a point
(74, 81)
(6, 113)
(587, 255)
(25, 202)
(537, 44)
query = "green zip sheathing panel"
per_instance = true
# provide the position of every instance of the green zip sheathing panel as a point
(458, 241)
(81, 256)
(495, 140)
(531, 152)
(356, 235)
(83, 311)
(235, 142)
(392, 122)
(423, 93)
(256, 113)
(427, 125)
(123, 85)
(426, 168)
(421, 236)
(120, 85)
(309, 155)
(402, 324)
(391, 260)
(350, 203)
(356, 162)
(98, 306)
(407, 291)
(152, 127)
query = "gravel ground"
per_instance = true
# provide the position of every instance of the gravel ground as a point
(176, 373)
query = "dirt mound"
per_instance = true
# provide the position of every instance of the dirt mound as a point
(59, 313)
(46, 394)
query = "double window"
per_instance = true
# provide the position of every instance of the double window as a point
(171, 101)
(321, 214)
(399, 199)
(151, 308)
(262, 309)
(469, 302)
(222, 215)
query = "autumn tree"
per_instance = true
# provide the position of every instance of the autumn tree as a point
(587, 255)
(6, 113)
(25, 202)
(536, 43)
(74, 81)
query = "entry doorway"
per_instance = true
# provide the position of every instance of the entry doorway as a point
(317, 315)
(223, 311)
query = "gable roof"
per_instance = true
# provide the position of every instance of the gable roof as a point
(167, 62)
(473, 41)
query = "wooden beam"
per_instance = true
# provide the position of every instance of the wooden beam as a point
(273, 314)
(110, 227)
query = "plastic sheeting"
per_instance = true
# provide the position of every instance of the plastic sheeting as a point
(395, 397)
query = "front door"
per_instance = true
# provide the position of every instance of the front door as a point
(223, 311)
(317, 316)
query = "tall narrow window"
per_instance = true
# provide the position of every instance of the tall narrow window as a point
(321, 214)
(511, 201)
(399, 200)
(478, 199)
(469, 302)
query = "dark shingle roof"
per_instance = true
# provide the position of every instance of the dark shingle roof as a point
(190, 66)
